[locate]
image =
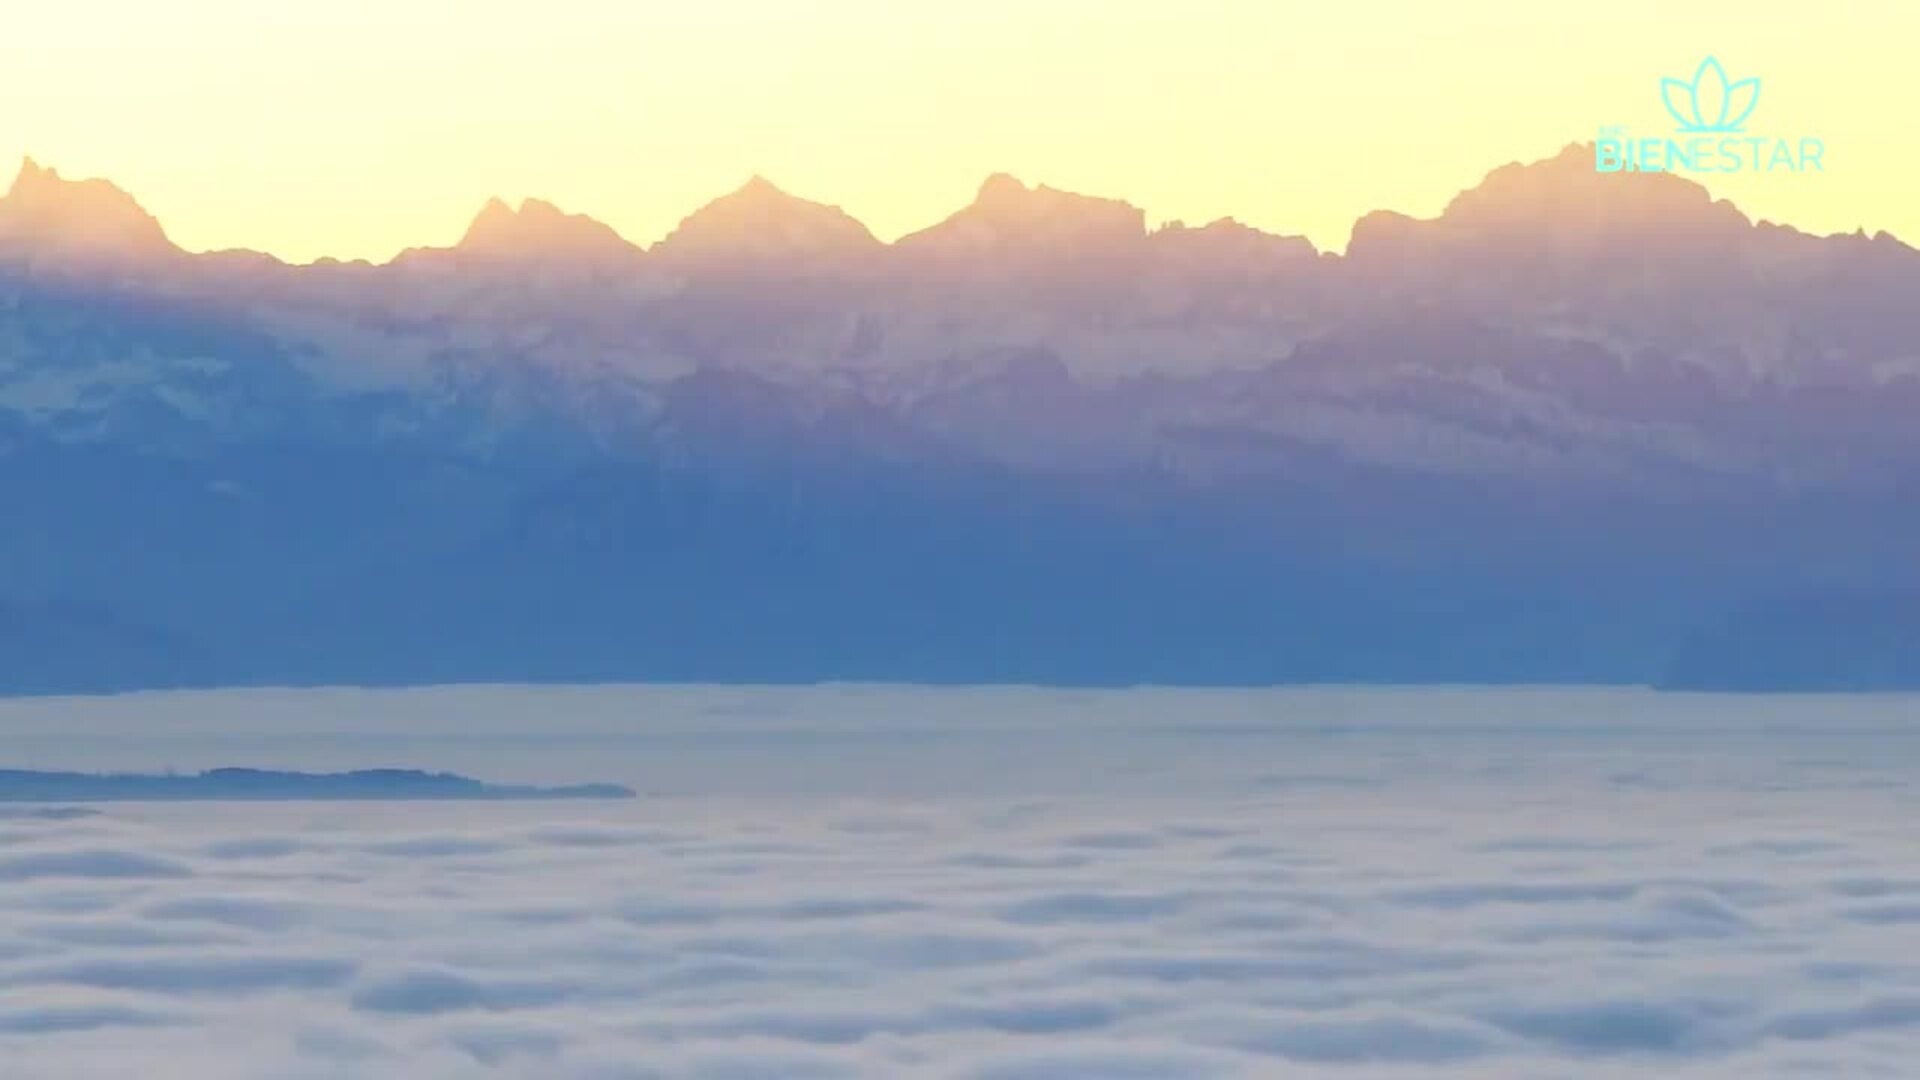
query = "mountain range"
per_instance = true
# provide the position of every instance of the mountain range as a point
(1580, 426)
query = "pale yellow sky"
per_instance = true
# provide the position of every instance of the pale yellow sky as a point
(356, 128)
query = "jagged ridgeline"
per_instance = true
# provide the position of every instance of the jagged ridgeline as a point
(1580, 426)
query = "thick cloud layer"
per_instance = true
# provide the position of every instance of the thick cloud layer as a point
(1503, 894)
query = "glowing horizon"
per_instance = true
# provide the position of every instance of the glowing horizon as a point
(354, 131)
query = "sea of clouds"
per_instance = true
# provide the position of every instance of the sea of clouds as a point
(991, 885)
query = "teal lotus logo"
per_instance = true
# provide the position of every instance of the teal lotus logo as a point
(1711, 111)
(1710, 104)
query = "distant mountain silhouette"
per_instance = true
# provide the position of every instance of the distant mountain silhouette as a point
(1578, 426)
(45, 218)
(761, 225)
(540, 231)
(1010, 223)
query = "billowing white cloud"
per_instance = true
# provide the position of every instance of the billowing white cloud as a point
(1503, 909)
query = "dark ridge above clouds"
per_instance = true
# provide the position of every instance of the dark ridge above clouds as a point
(236, 784)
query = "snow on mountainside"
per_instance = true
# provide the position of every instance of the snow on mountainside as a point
(1571, 428)
(1553, 320)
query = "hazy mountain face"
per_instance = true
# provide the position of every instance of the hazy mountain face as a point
(1562, 430)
